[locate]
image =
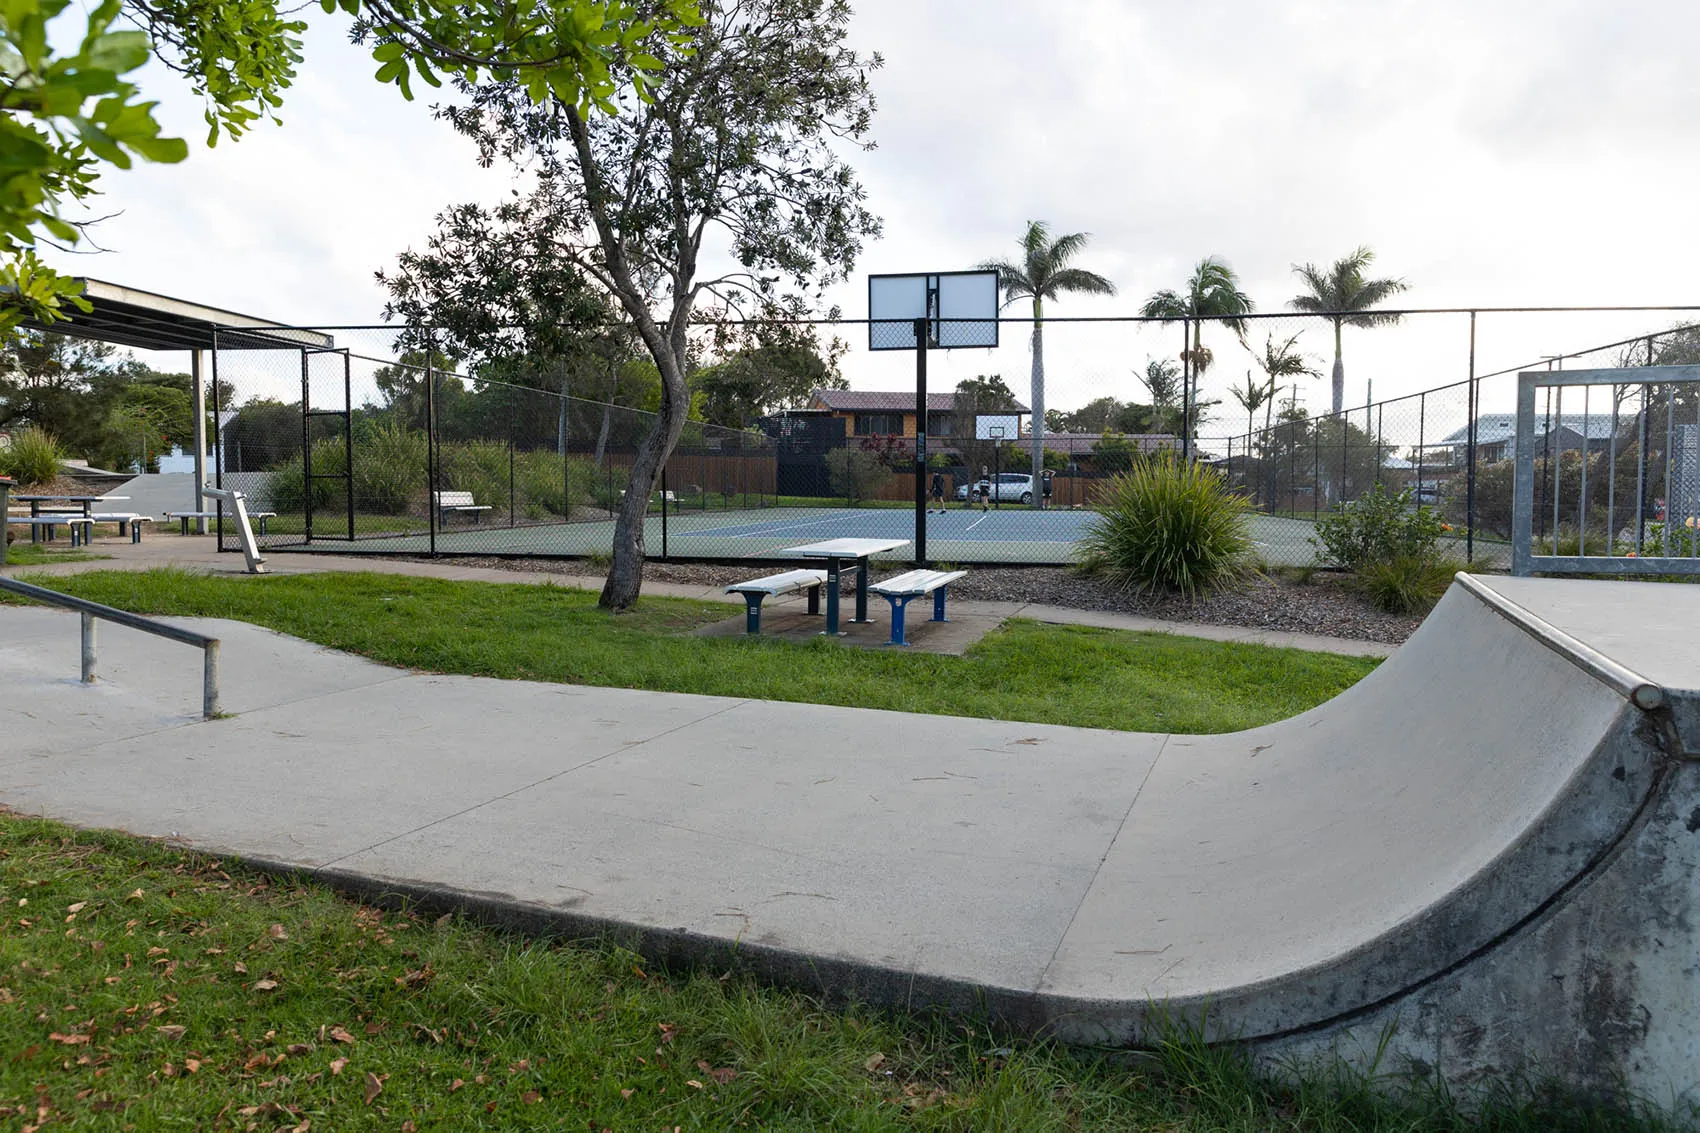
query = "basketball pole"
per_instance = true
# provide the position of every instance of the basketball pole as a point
(921, 329)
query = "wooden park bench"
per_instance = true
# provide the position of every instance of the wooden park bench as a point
(903, 589)
(758, 588)
(447, 502)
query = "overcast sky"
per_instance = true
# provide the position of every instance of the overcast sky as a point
(1492, 152)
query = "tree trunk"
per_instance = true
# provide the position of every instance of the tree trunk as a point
(1339, 373)
(1038, 407)
(625, 575)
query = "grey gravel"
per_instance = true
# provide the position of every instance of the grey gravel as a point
(1323, 604)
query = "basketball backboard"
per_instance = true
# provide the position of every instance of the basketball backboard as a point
(961, 306)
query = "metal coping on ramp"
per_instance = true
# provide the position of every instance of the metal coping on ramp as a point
(1638, 690)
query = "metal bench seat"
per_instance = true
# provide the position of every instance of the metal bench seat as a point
(129, 522)
(757, 589)
(82, 527)
(903, 589)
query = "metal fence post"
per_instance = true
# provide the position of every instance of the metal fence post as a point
(218, 440)
(1186, 391)
(1523, 502)
(1470, 458)
(431, 509)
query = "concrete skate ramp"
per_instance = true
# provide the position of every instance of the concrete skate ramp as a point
(1290, 876)
(1491, 828)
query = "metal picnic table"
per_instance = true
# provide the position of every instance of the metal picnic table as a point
(838, 552)
(35, 503)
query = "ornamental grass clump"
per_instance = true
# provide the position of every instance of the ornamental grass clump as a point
(1407, 584)
(1168, 525)
(32, 458)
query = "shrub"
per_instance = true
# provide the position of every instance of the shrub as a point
(1570, 543)
(606, 485)
(1378, 527)
(288, 486)
(32, 458)
(856, 474)
(479, 467)
(1168, 525)
(389, 474)
(1677, 540)
(389, 469)
(1406, 584)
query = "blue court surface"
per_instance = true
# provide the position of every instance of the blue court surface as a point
(1012, 535)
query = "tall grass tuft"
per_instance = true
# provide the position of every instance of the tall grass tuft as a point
(1406, 584)
(32, 458)
(1168, 525)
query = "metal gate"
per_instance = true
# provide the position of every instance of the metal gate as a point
(1607, 471)
(319, 366)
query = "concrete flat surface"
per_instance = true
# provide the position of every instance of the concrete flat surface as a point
(1283, 873)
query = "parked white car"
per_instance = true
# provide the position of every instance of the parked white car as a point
(1005, 486)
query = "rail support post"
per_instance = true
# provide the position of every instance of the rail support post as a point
(88, 649)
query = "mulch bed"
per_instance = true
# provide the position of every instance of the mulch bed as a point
(1325, 604)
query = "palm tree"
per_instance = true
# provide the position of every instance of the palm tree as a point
(1162, 377)
(1044, 273)
(1343, 292)
(1252, 398)
(1212, 292)
(1283, 360)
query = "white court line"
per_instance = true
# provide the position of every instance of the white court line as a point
(739, 531)
(976, 523)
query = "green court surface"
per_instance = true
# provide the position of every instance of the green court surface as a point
(1005, 535)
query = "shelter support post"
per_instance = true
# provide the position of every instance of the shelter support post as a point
(198, 401)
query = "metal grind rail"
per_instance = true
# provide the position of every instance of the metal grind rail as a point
(93, 611)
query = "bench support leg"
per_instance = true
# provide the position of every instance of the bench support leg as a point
(263, 524)
(135, 533)
(752, 612)
(899, 603)
(938, 605)
(814, 599)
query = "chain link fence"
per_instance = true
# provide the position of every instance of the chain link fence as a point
(362, 440)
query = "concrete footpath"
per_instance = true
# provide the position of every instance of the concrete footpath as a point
(1438, 870)
(200, 553)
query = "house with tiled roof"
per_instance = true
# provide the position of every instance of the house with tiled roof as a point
(891, 413)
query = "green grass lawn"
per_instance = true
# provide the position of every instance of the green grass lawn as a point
(1025, 671)
(41, 554)
(146, 989)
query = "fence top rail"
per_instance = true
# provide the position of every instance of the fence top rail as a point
(1621, 376)
(107, 613)
(1254, 316)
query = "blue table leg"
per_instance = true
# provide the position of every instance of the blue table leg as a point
(938, 605)
(861, 617)
(832, 597)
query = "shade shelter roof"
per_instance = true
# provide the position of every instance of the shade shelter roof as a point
(128, 316)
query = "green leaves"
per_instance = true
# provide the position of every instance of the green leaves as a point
(66, 115)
